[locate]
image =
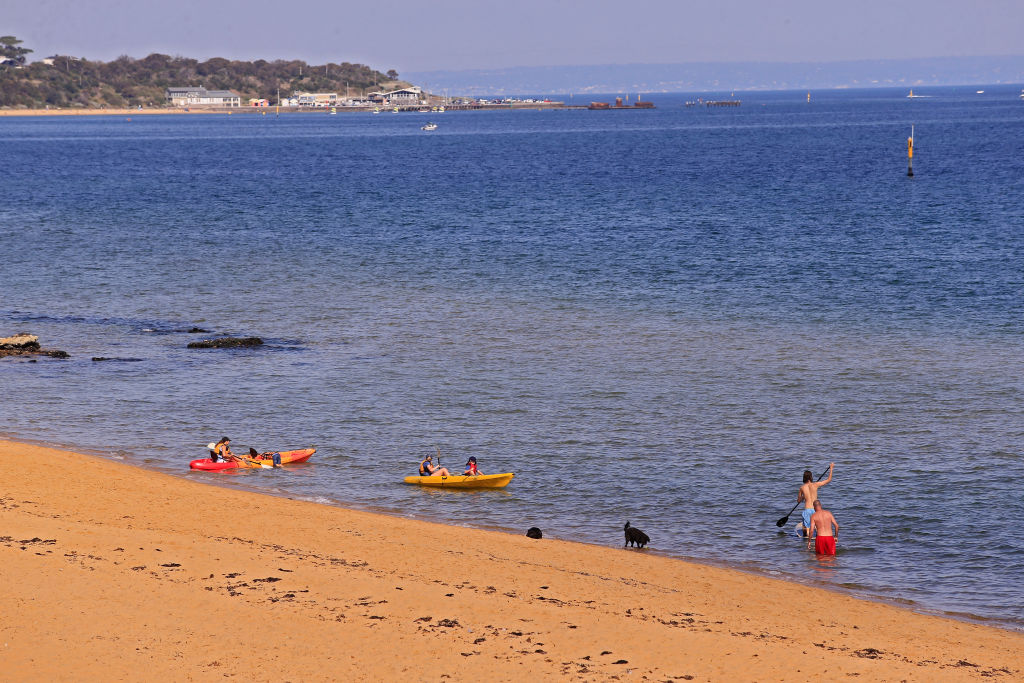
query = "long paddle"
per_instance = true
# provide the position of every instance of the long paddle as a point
(782, 522)
(439, 458)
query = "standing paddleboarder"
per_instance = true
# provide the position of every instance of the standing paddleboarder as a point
(809, 493)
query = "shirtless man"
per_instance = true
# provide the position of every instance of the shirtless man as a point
(822, 522)
(809, 493)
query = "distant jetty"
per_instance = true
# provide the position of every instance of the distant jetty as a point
(601, 106)
(713, 103)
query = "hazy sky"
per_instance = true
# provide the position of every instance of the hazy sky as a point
(422, 35)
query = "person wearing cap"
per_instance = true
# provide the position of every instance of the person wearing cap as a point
(471, 467)
(428, 469)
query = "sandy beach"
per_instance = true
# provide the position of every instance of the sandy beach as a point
(113, 572)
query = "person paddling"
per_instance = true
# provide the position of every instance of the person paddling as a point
(428, 469)
(809, 493)
(222, 449)
(820, 529)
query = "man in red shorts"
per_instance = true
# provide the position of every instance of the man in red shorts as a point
(822, 523)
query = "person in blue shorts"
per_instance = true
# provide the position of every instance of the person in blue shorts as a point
(809, 493)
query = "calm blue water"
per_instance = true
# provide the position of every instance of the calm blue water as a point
(659, 316)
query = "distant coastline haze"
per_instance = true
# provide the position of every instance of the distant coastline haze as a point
(457, 35)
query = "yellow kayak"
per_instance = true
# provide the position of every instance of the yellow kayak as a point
(459, 481)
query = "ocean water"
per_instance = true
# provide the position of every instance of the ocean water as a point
(656, 316)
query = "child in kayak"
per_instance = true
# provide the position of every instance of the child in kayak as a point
(471, 469)
(427, 468)
(275, 457)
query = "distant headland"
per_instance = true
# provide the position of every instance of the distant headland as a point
(67, 82)
(696, 77)
(62, 84)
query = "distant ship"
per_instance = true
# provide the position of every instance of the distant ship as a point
(916, 96)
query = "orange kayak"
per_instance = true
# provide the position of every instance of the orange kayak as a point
(245, 462)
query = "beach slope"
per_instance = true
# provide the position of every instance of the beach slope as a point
(117, 573)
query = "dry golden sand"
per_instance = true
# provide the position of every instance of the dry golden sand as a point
(111, 572)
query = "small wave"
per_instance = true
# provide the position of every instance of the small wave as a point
(319, 500)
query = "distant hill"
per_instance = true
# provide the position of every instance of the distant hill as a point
(62, 81)
(704, 77)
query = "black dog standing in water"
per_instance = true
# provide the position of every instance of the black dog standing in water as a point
(635, 536)
(534, 532)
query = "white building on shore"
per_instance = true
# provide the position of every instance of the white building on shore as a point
(198, 96)
(411, 95)
(315, 99)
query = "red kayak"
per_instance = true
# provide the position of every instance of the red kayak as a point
(245, 462)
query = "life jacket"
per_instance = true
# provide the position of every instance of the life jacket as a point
(424, 472)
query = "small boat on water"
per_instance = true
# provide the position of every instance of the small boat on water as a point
(429, 126)
(248, 462)
(479, 481)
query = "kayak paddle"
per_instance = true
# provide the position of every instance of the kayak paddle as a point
(782, 522)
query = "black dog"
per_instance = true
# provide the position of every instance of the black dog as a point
(534, 532)
(635, 536)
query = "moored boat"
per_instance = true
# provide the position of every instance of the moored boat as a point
(459, 481)
(244, 462)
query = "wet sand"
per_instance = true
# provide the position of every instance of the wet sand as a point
(113, 572)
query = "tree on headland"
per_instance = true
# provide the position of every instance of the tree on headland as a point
(64, 81)
(392, 75)
(11, 52)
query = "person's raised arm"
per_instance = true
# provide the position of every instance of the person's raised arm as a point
(831, 465)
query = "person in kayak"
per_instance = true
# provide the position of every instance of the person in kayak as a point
(428, 469)
(222, 449)
(275, 457)
(471, 469)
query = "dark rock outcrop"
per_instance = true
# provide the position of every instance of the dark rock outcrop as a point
(226, 343)
(23, 344)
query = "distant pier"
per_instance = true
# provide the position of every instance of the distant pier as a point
(601, 106)
(714, 103)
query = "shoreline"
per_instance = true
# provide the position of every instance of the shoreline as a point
(228, 484)
(124, 111)
(273, 588)
(757, 571)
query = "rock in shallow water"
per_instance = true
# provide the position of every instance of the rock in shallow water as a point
(23, 344)
(226, 343)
